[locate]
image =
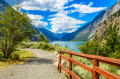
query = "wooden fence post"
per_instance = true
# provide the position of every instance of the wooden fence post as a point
(70, 66)
(95, 74)
(59, 62)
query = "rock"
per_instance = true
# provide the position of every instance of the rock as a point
(56, 64)
(58, 56)
(56, 53)
(63, 62)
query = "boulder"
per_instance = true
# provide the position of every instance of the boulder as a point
(56, 64)
(56, 53)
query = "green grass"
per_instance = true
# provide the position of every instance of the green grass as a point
(84, 74)
(23, 56)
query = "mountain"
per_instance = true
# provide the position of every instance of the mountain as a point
(113, 19)
(50, 35)
(87, 31)
(3, 4)
(60, 34)
(35, 37)
(84, 30)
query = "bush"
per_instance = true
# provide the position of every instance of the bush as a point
(52, 47)
(116, 54)
(105, 22)
(15, 56)
(46, 47)
(1, 56)
(33, 45)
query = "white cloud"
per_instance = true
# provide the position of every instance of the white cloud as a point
(44, 5)
(37, 20)
(82, 8)
(63, 23)
(60, 22)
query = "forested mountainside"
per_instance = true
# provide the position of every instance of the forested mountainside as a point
(112, 20)
(3, 4)
(106, 41)
(50, 35)
(88, 30)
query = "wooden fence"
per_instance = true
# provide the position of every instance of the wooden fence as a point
(96, 70)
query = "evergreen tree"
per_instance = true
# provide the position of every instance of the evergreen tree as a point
(112, 39)
(109, 48)
(42, 38)
(15, 26)
(91, 47)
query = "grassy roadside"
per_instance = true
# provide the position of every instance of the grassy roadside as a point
(22, 54)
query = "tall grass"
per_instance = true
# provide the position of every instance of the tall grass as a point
(42, 45)
(84, 74)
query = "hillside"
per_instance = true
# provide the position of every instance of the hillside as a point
(37, 34)
(60, 34)
(50, 35)
(3, 4)
(101, 31)
(87, 31)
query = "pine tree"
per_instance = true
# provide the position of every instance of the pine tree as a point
(42, 38)
(112, 39)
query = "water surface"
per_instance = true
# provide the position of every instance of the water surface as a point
(71, 45)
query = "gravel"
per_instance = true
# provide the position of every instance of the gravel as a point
(39, 67)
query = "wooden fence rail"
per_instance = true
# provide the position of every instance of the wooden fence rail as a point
(96, 70)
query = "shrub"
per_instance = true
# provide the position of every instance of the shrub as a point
(1, 56)
(105, 22)
(52, 47)
(15, 56)
(116, 54)
(46, 47)
(33, 45)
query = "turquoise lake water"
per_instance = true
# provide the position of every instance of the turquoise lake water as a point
(71, 45)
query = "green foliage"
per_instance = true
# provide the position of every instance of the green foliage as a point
(42, 38)
(59, 47)
(33, 45)
(116, 54)
(109, 48)
(105, 22)
(82, 38)
(15, 56)
(91, 47)
(15, 27)
(46, 47)
(84, 74)
(1, 56)
(117, 14)
(112, 43)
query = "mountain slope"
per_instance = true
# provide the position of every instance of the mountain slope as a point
(3, 4)
(87, 31)
(60, 34)
(50, 35)
(113, 19)
(83, 30)
(36, 36)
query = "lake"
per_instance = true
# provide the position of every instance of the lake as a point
(71, 45)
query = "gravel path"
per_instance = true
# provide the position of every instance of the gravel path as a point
(40, 67)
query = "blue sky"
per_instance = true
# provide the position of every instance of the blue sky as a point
(62, 15)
